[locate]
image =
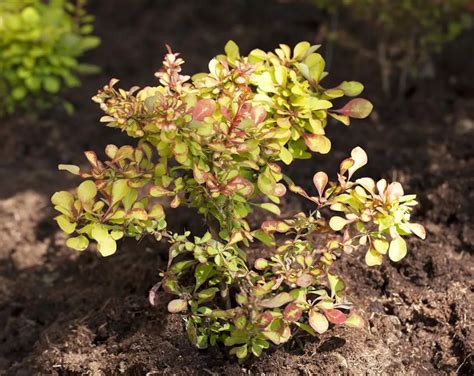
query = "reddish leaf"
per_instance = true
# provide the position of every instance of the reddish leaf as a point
(317, 143)
(238, 184)
(305, 280)
(358, 108)
(292, 312)
(264, 319)
(280, 190)
(394, 191)
(258, 114)
(335, 316)
(203, 109)
(92, 158)
(272, 226)
(320, 180)
(225, 112)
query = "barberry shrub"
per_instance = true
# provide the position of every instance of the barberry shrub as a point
(408, 34)
(214, 143)
(40, 46)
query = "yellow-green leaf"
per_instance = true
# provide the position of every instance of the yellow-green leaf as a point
(120, 189)
(380, 245)
(398, 249)
(107, 246)
(177, 305)
(63, 199)
(75, 170)
(372, 257)
(337, 223)
(317, 143)
(65, 225)
(318, 321)
(86, 191)
(300, 50)
(272, 208)
(79, 243)
(232, 50)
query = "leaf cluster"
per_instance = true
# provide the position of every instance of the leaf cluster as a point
(40, 46)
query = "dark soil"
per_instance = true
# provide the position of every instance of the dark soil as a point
(67, 313)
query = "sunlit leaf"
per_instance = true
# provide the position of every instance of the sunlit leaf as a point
(397, 249)
(358, 108)
(86, 191)
(318, 321)
(177, 306)
(79, 243)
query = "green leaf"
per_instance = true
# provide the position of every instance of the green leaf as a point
(336, 284)
(266, 183)
(265, 83)
(51, 84)
(207, 294)
(157, 191)
(286, 156)
(263, 237)
(241, 351)
(86, 191)
(237, 337)
(232, 50)
(351, 88)
(120, 189)
(272, 208)
(354, 321)
(117, 234)
(316, 64)
(202, 274)
(276, 301)
(30, 16)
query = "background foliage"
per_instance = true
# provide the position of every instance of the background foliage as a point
(40, 46)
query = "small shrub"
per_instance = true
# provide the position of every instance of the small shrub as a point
(40, 44)
(407, 34)
(213, 143)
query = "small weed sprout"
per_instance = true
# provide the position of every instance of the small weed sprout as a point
(213, 142)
